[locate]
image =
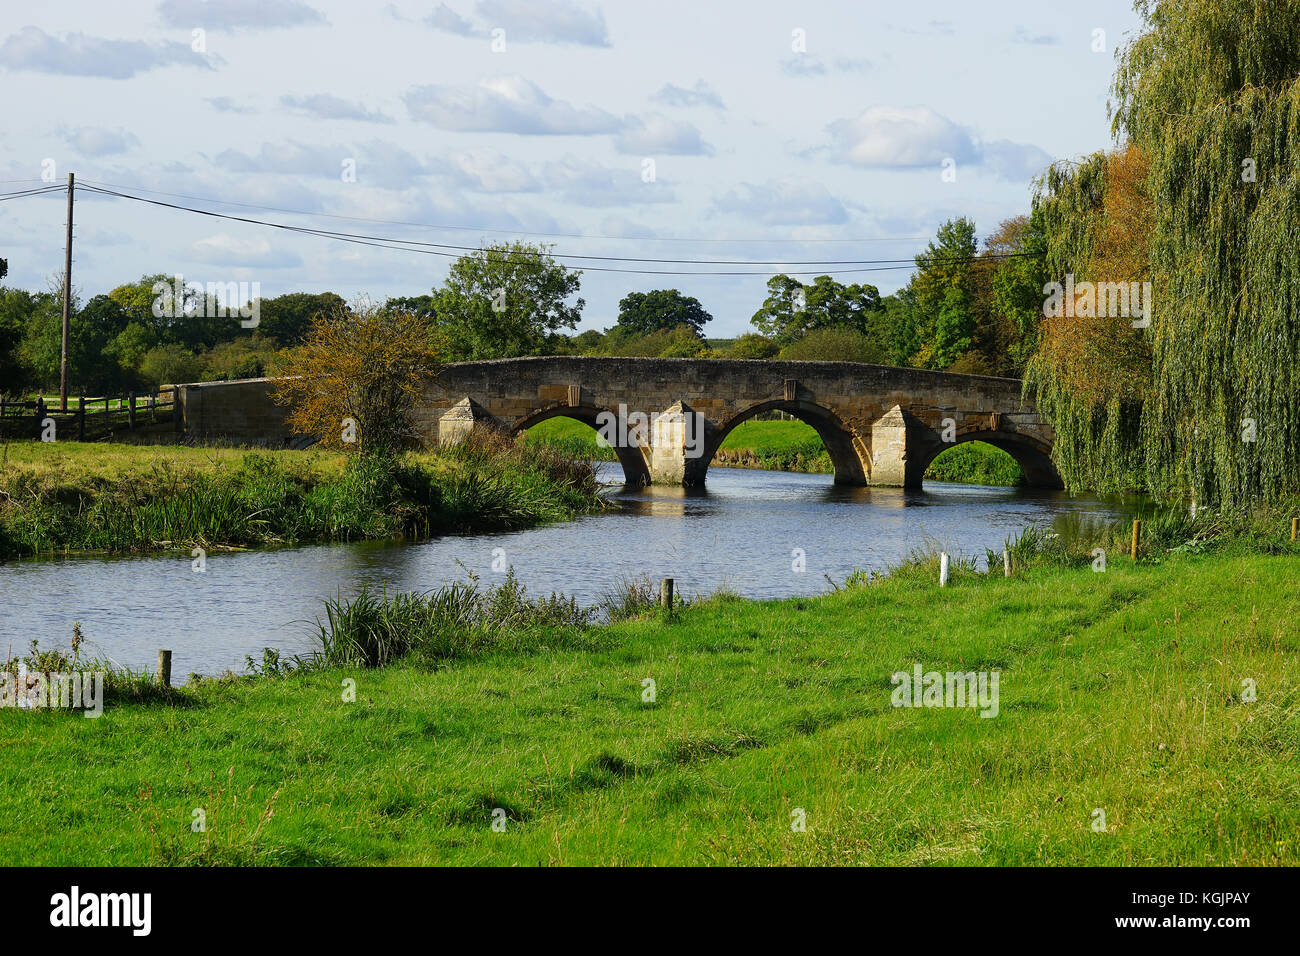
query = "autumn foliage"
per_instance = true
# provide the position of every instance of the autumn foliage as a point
(357, 377)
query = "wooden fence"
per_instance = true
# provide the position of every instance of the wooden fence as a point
(87, 419)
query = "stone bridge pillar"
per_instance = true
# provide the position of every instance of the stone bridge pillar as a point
(680, 441)
(455, 425)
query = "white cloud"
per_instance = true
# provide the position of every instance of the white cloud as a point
(488, 171)
(700, 95)
(784, 202)
(582, 183)
(94, 141)
(655, 133)
(556, 21)
(505, 104)
(888, 137)
(1018, 162)
(447, 19)
(224, 104)
(223, 249)
(77, 54)
(237, 14)
(329, 106)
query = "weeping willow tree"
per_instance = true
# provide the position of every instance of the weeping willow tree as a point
(1091, 372)
(1210, 92)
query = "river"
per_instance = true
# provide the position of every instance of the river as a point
(742, 533)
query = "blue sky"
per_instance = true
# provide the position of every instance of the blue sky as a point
(792, 123)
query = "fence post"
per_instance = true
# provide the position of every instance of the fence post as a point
(164, 668)
(130, 409)
(81, 417)
(1006, 563)
(1295, 526)
(1137, 531)
(943, 569)
(666, 593)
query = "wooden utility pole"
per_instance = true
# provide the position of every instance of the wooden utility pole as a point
(67, 302)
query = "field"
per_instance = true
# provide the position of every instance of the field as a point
(792, 445)
(1120, 692)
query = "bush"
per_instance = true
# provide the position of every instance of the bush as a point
(835, 345)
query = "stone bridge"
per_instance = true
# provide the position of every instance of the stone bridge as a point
(881, 425)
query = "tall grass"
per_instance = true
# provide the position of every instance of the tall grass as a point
(455, 621)
(265, 499)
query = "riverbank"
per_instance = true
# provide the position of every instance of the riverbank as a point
(789, 445)
(112, 498)
(1163, 694)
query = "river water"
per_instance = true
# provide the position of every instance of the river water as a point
(742, 532)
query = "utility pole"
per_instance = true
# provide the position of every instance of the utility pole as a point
(67, 302)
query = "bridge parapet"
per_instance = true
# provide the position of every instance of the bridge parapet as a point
(881, 425)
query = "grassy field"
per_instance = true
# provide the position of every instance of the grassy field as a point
(1119, 691)
(79, 497)
(784, 445)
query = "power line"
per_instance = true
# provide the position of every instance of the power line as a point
(508, 232)
(19, 194)
(434, 248)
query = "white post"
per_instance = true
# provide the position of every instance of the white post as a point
(943, 569)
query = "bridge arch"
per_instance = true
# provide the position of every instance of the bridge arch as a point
(636, 468)
(848, 453)
(1033, 455)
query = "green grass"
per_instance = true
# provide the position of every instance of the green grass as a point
(783, 445)
(975, 463)
(70, 497)
(1119, 690)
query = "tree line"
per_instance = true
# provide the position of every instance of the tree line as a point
(516, 299)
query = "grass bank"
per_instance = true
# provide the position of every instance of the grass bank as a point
(70, 497)
(788, 446)
(699, 737)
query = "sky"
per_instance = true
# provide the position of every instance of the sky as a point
(756, 132)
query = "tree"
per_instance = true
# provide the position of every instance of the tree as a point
(1016, 293)
(16, 307)
(660, 310)
(751, 345)
(1091, 374)
(793, 309)
(506, 300)
(357, 377)
(835, 345)
(287, 318)
(169, 365)
(941, 288)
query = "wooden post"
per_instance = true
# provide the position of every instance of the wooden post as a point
(67, 300)
(943, 569)
(1295, 526)
(164, 668)
(81, 417)
(130, 409)
(1006, 563)
(1137, 532)
(666, 593)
